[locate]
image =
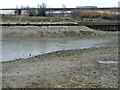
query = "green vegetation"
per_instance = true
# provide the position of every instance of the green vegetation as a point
(41, 12)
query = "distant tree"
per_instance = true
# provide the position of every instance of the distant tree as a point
(17, 6)
(42, 9)
(64, 11)
(22, 6)
(29, 11)
(64, 6)
(32, 12)
(18, 11)
(43, 5)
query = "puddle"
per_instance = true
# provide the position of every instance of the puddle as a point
(107, 62)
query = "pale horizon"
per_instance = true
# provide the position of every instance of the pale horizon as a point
(58, 4)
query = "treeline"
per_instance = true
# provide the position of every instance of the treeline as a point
(112, 14)
(32, 12)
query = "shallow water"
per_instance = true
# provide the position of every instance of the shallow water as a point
(25, 48)
(107, 62)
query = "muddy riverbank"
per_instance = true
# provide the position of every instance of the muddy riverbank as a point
(68, 69)
(82, 68)
(31, 41)
(29, 47)
(50, 31)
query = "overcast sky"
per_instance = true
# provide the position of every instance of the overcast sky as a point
(59, 3)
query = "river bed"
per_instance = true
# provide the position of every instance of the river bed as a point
(28, 47)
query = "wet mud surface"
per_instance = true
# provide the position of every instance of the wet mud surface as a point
(77, 68)
(64, 69)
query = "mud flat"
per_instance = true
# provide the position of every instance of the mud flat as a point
(77, 68)
(64, 69)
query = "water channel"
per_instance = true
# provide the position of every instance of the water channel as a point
(24, 48)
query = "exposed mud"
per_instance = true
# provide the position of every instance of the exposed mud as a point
(50, 31)
(64, 69)
(78, 68)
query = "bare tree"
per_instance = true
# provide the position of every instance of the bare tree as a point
(63, 6)
(64, 10)
(22, 6)
(29, 11)
(43, 5)
(17, 11)
(17, 6)
(41, 11)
